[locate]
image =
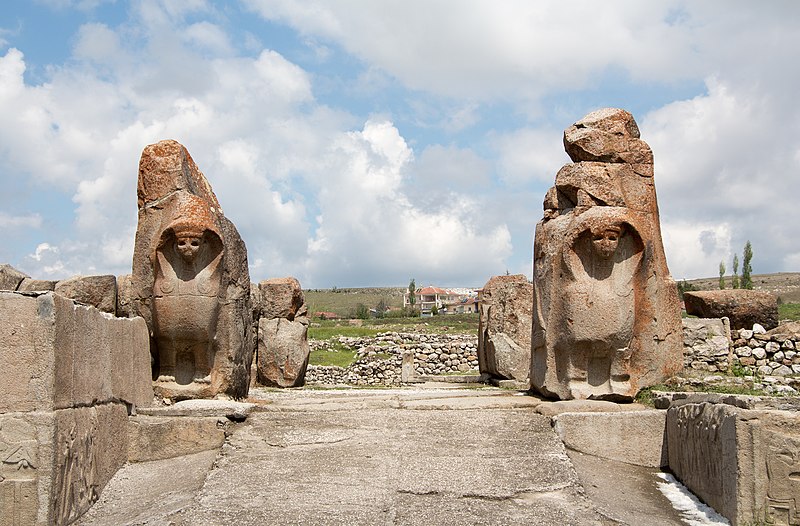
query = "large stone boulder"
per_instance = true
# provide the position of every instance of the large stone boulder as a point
(10, 278)
(283, 349)
(741, 306)
(606, 314)
(504, 328)
(190, 280)
(97, 291)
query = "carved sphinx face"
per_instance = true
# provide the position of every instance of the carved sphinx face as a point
(188, 246)
(606, 242)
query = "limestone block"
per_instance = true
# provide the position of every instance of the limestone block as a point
(633, 437)
(36, 285)
(125, 296)
(282, 352)
(26, 352)
(156, 438)
(742, 462)
(504, 327)
(97, 291)
(190, 280)
(90, 446)
(64, 355)
(26, 470)
(10, 278)
(606, 317)
(743, 307)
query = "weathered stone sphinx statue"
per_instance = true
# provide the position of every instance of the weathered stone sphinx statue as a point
(190, 280)
(606, 314)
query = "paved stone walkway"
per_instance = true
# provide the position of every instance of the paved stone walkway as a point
(400, 457)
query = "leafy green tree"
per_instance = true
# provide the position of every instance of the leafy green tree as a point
(412, 293)
(721, 275)
(434, 310)
(747, 268)
(362, 312)
(735, 277)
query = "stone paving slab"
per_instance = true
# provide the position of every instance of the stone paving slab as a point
(388, 466)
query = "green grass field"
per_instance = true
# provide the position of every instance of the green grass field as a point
(789, 311)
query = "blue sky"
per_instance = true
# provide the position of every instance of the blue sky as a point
(365, 143)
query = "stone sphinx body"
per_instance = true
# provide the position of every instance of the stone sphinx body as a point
(186, 302)
(599, 307)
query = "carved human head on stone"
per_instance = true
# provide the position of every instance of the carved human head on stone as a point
(605, 240)
(188, 241)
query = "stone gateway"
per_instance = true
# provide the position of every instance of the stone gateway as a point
(190, 280)
(606, 314)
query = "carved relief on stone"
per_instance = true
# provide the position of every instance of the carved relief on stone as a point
(18, 472)
(76, 473)
(185, 295)
(606, 315)
(601, 289)
(783, 471)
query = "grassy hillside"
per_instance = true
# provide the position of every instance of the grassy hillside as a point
(785, 285)
(344, 301)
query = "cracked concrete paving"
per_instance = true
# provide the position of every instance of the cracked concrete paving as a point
(405, 456)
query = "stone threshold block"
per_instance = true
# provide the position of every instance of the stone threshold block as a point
(745, 463)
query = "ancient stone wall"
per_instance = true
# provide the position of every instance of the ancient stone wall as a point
(775, 353)
(379, 360)
(71, 375)
(742, 462)
(707, 344)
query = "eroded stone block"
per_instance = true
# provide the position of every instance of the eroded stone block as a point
(283, 351)
(742, 462)
(97, 291)
(504, 327)
(64, 355)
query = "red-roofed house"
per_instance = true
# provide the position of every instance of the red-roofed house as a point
(429, 297)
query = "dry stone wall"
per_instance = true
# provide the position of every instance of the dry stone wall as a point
(775, 353)
(707, 344)
(379, 360)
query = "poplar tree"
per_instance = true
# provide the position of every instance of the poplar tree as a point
(721, 275)
(747, 269)
(735, 277)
